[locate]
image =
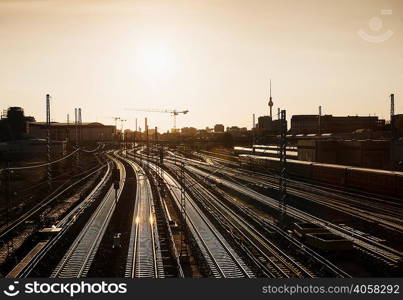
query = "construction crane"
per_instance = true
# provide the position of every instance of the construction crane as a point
(174, 112)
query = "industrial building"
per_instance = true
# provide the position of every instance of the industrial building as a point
(188, 131)
(219, 128)
(13, 124)
(397, 126)
(267, 124)
(90, 132)
(374, 154)
(308, 124)
(237, 130)
(30, 148)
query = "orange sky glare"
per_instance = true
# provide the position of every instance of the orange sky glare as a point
(212, 57)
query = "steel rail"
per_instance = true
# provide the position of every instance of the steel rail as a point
(390, 220)
(383, 251)
(144, 259)
(20, 220)
(65, 224)
(78, 259)
(391, 207)
(285, 265)
(220, 257)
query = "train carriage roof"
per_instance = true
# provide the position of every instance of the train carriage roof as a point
(302, 162)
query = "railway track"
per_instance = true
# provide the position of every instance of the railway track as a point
(39, 207)
(78, 259)
(144, 258)
(272, 260)
(25, 269)
(385, 253)
(220, 257)
(386, 213)
(315, 260)
(385, 216)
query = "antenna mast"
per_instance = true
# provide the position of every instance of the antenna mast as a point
(48, 140)
(271, 103)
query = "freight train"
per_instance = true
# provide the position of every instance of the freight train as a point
(265, 151)
(369, 180)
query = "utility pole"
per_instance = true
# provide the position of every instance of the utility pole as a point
(116, 127)
(116, 182)
(140, 139)
(183, 251)
(68, 130)
(8, 197)
(394, 130)
(49, 167)
(122, 134)
(121, 126)
(161, 150)
(253, 131)
(146, 132)
(253, 121)
(283, 163)
(80, 129)
(76, 126)
(156, 136)
(134, 135)
(7, 190)
(76, 121)
(319, 120)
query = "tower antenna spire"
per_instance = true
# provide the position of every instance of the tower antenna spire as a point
(271, 103)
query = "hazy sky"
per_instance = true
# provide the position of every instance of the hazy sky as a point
(213, 57)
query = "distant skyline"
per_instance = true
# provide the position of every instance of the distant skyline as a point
(212, 57)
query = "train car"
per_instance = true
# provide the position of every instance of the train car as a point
(332, 174)
(263, 152)
(378, 181)
(270, 163)
(399, 184)
(371, 180)
(300, 168)
(272, 147)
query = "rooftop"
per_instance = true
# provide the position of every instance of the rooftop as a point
(89, 124)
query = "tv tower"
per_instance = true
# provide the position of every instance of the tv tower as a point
(271, 103)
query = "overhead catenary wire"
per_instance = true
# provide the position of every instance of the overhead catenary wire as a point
(61, 176)
(39, 165)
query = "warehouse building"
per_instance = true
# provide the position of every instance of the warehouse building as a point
(219, 128)
(265, 123)
(375, 154)
(90, 132)
(308, 124)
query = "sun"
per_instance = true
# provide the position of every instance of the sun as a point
(156, 60)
